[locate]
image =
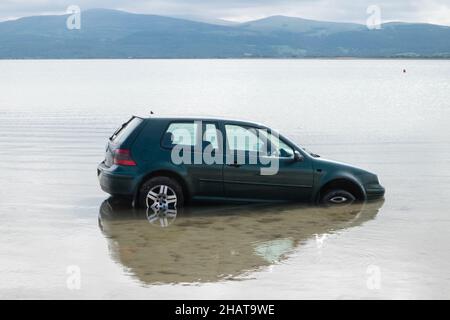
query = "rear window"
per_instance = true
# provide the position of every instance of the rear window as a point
(125, 130)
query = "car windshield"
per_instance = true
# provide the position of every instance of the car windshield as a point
(312, 154)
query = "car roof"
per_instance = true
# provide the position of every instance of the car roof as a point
(205, 118)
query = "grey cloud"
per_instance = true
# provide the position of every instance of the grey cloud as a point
(433, 11)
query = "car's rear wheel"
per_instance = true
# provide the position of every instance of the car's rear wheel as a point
(337, 197)
(161, 194)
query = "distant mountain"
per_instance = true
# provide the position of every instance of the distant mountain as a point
(281, 24)
(116, 34)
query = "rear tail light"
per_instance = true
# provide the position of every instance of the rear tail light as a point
(122, 157)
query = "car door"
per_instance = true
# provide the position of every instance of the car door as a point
(254, 170)
(198, 141)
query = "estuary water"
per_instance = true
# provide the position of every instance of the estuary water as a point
(62, 237)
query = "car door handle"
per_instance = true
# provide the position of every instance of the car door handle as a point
(235, 164)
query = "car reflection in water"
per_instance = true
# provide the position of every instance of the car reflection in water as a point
(206, 244)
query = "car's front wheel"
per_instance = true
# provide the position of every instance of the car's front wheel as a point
(161, 194)
(337, 197)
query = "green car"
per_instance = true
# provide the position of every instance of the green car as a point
(165, 162)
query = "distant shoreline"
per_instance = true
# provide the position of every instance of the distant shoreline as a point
(237, 58)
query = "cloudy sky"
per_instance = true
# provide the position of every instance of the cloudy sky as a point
(431, 11)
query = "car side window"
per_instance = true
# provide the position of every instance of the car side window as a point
(278, 147)
(180, 133)
(210, 135)
(283, 150)
(240, 138)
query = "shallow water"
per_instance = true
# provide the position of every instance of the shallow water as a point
(55, 117)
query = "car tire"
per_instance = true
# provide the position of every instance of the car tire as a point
(337, 197)
(161, 192)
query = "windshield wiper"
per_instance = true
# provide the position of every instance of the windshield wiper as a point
(116, 132)
(119, 129)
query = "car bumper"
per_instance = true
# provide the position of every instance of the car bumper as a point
(375, 192)
(114, 183)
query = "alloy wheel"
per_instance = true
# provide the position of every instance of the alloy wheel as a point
(161, 205)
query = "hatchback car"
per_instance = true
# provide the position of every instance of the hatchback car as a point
(165, 162)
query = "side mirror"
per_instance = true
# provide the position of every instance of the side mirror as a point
(297, 156)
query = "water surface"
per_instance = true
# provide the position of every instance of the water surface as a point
(55, 117)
